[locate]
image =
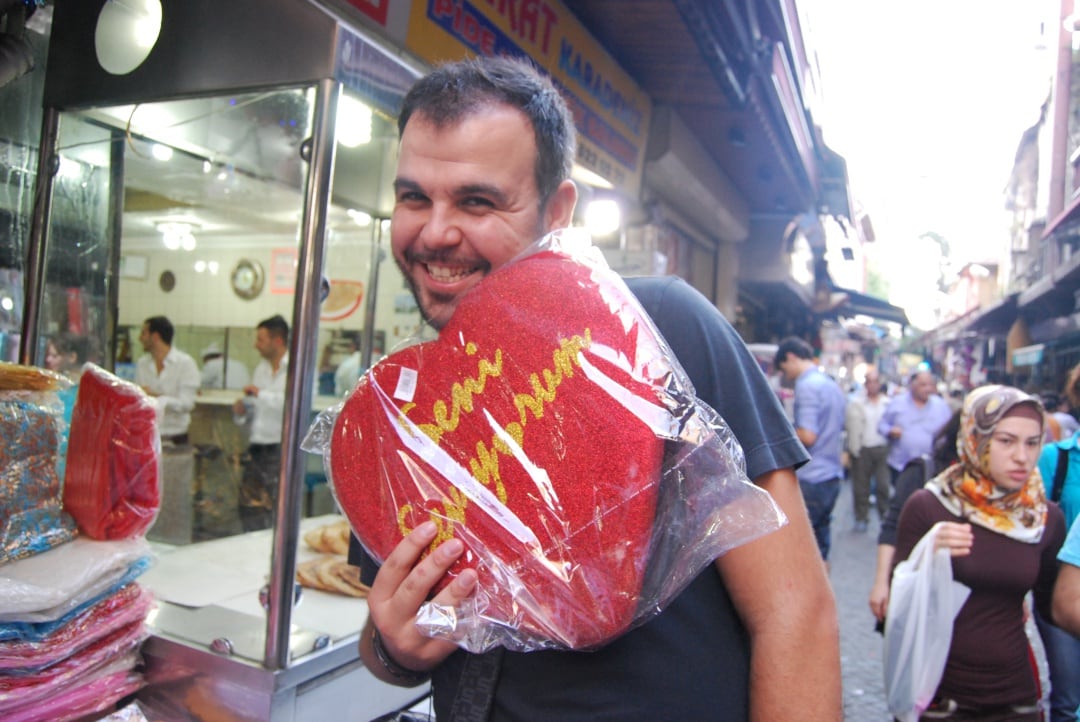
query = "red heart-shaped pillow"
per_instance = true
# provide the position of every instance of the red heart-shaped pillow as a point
(527, 431)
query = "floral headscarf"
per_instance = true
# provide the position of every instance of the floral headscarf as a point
(966, 489)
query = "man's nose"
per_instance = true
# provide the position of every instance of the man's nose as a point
(442, 227)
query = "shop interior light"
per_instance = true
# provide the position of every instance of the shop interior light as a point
(353, 127)
(360, 218)
(583, 175)
(176, 235)
(161, 152)
(603, 216)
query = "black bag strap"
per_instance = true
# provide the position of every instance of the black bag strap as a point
(476, 690)
(1060, 473)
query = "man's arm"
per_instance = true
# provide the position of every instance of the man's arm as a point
(885, 425)
(806, 436)
(1066, 604)
(779, 586)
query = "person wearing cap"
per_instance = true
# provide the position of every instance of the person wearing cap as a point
(219, 372)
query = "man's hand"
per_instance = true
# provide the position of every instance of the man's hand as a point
(400, 587)
(895, 433)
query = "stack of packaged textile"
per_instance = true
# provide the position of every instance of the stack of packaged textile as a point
(72, 617)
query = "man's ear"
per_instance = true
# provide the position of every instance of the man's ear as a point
(560, 207)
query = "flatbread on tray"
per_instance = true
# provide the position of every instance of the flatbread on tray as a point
(331, 573)
(332, 538)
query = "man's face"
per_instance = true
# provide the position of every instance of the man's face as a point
(873, 383)
(265, 343)
(144, 338)
(922, 387)
(786, 365)
(466, 203)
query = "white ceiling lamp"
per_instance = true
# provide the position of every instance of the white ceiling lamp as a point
(161, 152)
(353, 126)
(176, 235)
(603, 216)
(360, 218)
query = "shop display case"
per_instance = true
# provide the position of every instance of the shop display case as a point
(209, 180)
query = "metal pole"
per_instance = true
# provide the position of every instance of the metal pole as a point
(36, 245)
(116, 223)
(302, 358)
(372, 291)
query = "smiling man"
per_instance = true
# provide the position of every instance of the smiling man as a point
(486, 151)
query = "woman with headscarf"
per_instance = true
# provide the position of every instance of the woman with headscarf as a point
(1003, 536)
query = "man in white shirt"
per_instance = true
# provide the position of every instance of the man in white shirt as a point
(219, 372)
(348, 371)
(170, 377)
(868, 449)
(263, 407)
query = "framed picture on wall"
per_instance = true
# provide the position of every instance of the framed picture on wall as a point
(283, 262)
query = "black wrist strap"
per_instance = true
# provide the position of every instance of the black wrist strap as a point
(410, 677)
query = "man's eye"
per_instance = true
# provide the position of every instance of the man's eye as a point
(476, 202)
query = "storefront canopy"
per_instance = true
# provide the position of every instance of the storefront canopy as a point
(860, 304)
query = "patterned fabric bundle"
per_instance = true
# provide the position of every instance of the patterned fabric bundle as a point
(31, 518)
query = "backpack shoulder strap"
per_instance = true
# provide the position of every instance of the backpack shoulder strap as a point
(1060, 472)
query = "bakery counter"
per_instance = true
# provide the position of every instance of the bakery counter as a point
(209, 635)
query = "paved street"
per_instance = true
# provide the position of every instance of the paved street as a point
(852, 568)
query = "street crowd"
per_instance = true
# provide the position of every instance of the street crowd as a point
(989, 482)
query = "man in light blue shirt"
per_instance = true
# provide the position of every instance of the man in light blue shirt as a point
(911, 421)
(819, 424)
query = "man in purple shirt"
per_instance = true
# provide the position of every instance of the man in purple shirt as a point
(911, 420)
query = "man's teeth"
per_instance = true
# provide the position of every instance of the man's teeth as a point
(448, 275)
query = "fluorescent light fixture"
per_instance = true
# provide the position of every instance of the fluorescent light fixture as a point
(353, 126)
(161, 152)
(360, 218)
(177, 235)
(586, 176)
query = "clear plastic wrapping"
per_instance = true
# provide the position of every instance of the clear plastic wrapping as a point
(46, 587)
(31, 425)
(112, 485)
(125, 606)
(550, 428)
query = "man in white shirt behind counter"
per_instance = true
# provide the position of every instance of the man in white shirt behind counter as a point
(170, 377)
(263, 407)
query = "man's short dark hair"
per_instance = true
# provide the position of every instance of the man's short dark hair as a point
(793, 345)
(162, 327)
(276, 325)
(455, 90)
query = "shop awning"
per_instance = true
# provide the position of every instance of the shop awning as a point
(1055, 293)
(860, 304)
(998, 318)
(1071, 211)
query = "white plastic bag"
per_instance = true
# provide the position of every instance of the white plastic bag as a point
(923, 602)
